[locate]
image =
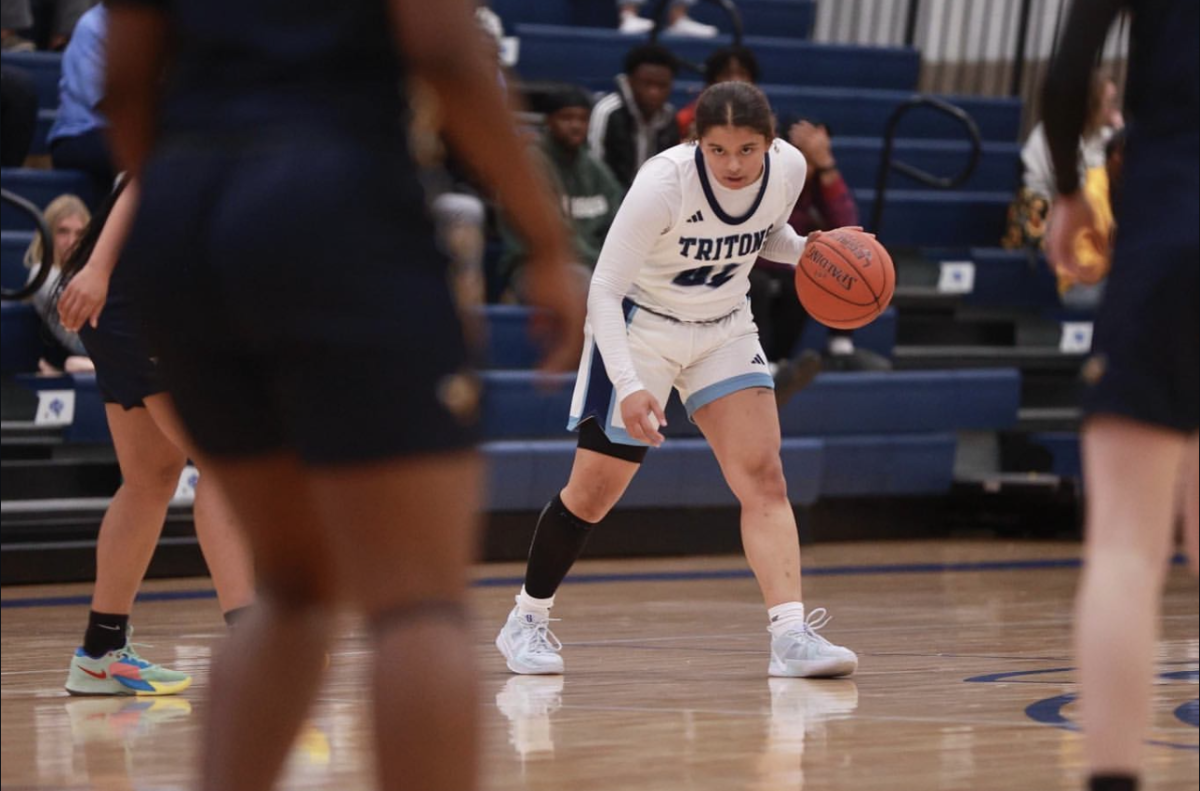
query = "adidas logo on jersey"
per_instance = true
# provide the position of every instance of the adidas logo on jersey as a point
(758, 360)
(697, 217)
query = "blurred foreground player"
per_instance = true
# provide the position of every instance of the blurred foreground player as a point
(1142, 404)
(327, 386)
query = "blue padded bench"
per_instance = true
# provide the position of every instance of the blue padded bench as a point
(13, 245)
(595, 56)
(20, 343)
(523, 475)
(888, 465)
(863, 112)
(924, 218)
(836, 404)
(46, 70)
(40, 187)
(510, 347)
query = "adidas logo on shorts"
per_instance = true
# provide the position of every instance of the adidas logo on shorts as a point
(758, 360)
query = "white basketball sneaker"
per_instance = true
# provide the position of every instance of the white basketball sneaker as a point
(802, 653)
(529, 646)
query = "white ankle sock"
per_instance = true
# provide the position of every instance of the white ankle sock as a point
(528, 605)
(840, 344)
(785, 616)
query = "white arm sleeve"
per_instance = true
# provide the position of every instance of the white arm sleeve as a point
(784, 245)
(647, 212)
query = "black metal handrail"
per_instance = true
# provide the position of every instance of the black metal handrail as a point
(938, 182)
(46, 264)
(728, 6)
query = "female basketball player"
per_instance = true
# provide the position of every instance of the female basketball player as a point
(667, 308)
(1143, 401)
(326, 390)
(152, 449)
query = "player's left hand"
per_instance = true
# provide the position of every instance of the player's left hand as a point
(83, 299)
(1069, 215)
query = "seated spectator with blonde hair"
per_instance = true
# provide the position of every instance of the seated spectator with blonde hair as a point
(66, 217)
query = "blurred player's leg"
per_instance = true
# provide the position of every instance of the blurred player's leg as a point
(1131, 507)
(226, 552)
(1191, 503)
(408, 530)
(263, 681)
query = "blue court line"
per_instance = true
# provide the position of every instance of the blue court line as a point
(1049, 712)
(654, 576)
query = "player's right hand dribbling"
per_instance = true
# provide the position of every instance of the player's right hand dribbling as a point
(643, 415)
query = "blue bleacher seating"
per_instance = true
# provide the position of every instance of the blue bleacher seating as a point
(858, 160)
(13, 245)
(884, 465)
(1064, 451)
(41, 130)
(523, 475)
(924, 218)
(20, 342)
(523, 404)
(44, 67)
(863, 112)
(41, 187)
(595, 57)
(1012, 279)
(90, 424)
(789, 18)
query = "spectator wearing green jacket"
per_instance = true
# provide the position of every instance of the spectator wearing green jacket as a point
(588, 191)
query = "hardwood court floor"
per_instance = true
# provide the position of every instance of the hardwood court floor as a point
(966, 682)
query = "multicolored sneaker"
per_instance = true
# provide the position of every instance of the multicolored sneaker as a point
(122, 672)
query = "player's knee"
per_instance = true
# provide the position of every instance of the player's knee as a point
(159, 477)
(591, 501)
(761, 479)
(297, 592)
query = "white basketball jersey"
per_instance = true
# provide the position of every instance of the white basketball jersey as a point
(698, 269)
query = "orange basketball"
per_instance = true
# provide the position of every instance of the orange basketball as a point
(845, 278)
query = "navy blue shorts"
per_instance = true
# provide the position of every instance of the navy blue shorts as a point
(1145, 361)
(126, 373)
(297, 302)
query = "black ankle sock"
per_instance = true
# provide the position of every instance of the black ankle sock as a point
(105, 632)
(232, 617)
(557, 543)
(1112, 783)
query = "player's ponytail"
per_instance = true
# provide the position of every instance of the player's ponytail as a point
(734, 104)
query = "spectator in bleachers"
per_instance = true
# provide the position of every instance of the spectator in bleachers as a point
(66, 217)
(635, 122)
(1027, 213)
(728, 64)
(588, 190)
(18, 115)
(15, 15)
(1084, 288)
(678, 21)
(77, 138)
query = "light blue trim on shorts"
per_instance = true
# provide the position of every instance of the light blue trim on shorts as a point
(706, 395)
